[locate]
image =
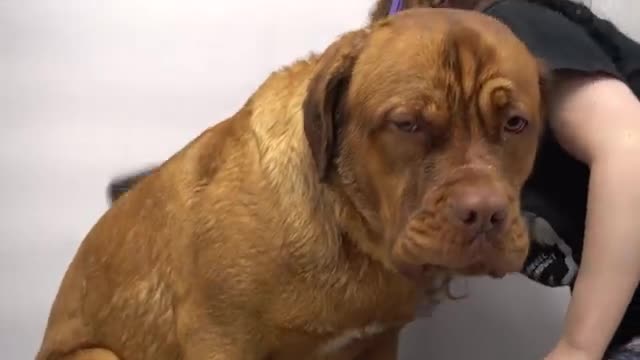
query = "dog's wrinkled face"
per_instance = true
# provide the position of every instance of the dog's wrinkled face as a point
(429, 123)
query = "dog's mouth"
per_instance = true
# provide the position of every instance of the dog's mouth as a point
(470, 225)
(418, 253)
(484, 262)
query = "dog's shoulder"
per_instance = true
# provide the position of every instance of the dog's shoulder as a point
(264, 138)
(268, 128)
(277, 127)
(259, 156)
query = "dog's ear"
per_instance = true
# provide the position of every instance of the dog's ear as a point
(322, 107)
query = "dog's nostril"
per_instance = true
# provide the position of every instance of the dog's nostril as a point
(498, 217)
(469, 216)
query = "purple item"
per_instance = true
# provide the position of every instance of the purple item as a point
(396, 6)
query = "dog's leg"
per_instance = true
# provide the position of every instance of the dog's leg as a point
(90, 354)
(383, 347)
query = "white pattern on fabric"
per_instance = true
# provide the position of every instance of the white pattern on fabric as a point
(550, 260)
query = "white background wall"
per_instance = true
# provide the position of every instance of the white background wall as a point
(90, 89)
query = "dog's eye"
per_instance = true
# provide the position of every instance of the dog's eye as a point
(405, 121)
(409, 126)
(516, 124)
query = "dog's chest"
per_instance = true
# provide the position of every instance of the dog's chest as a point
(347, 337)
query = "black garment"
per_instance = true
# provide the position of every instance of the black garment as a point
(555, 197)
(630, 351)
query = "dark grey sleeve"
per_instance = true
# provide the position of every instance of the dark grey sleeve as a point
(558, 41)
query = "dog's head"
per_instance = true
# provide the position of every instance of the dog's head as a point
(428, 123)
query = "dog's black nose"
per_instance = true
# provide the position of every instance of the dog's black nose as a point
(479, 208)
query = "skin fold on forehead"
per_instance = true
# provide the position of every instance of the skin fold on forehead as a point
(456, 32)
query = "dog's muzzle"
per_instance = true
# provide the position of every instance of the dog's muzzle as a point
(471, 227)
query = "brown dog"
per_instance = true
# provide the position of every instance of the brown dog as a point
(278, 233)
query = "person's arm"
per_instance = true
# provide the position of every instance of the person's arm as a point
(597, 120)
